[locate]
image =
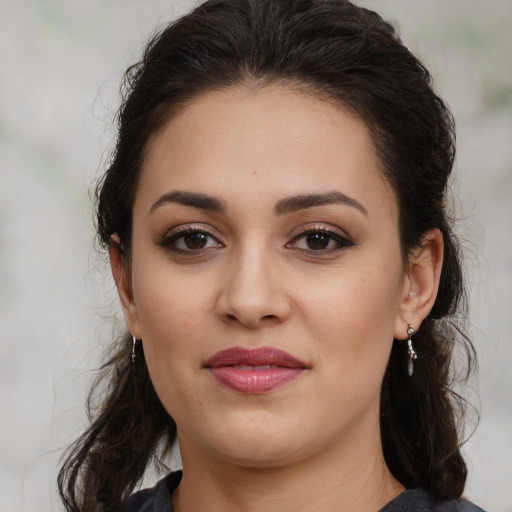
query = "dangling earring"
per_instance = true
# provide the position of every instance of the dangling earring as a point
(133, 349)
(412, 354)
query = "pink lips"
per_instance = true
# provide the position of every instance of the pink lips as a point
(254, 371)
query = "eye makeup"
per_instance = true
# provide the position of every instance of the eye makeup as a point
(319, 239)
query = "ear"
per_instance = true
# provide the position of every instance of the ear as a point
(421, 283)
(121, 275)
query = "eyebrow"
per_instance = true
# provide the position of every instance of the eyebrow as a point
(302, 201)
(193, 199)
(286, 205)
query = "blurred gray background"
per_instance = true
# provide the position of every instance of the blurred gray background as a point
(60, 65)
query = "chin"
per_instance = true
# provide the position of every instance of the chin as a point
(261, 453)
(251, 440)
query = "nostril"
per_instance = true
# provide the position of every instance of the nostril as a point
(234, 318)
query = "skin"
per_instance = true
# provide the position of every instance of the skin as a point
(313, 443)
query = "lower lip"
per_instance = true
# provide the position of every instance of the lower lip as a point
(255, 381)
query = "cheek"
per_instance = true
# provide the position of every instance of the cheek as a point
(353, 324)
(171, 313)
(169, 302)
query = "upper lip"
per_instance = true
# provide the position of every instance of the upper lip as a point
(260, 356)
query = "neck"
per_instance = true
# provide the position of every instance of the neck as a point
(352, 477)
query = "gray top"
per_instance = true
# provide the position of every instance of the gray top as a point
(158, 499)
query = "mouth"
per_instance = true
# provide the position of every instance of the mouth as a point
(254, 371)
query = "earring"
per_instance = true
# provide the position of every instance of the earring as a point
(133, 349)
(412, 354)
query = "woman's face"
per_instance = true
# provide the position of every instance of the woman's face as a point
(266, 279)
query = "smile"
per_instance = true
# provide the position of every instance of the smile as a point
(254, 371)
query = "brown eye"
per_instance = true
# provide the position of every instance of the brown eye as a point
(318, 241)
(190, 241)
(195, 240)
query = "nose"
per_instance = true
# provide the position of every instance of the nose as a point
(253, 292)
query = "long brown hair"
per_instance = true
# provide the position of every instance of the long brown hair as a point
(353, 57)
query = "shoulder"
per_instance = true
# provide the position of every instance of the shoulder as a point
(154, 499)
(418, 500)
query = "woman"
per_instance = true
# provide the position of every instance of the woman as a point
(275, 216)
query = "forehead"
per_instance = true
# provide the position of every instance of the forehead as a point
(263, 142)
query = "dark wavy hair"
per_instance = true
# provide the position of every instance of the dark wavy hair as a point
(352, 57)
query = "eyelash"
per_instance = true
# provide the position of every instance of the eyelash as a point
(169, 242)
(342, 241)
